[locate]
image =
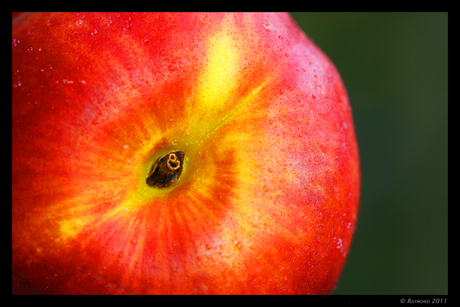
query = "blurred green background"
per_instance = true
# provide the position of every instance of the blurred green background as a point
(394, 66)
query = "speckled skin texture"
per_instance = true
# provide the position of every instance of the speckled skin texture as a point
(268, 197)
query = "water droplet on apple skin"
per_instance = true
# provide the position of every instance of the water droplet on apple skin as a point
(238, 245)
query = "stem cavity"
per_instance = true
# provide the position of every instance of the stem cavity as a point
(166, 170)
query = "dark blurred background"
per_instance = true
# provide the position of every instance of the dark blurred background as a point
(394, 66)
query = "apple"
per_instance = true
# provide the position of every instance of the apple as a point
(178, 154)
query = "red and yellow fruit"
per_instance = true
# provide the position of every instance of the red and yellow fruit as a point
(267, 195)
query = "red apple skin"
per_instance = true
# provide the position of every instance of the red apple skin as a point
(268, 198)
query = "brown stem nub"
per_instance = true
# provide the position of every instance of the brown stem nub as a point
(166, 170)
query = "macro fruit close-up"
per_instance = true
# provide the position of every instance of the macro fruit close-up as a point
(178, 154)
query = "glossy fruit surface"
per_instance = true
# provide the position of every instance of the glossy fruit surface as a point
(242, 125)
